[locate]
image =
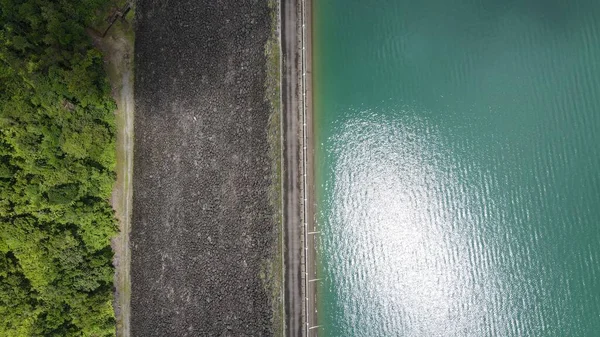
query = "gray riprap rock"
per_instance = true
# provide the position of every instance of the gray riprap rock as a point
(201, 218)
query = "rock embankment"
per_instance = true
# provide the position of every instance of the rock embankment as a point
(202, 226)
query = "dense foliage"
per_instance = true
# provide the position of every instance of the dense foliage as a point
(56, 172)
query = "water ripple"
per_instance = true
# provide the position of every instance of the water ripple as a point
(458, 173)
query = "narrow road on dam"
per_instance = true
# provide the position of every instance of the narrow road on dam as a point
(292, 156)
(300, 294)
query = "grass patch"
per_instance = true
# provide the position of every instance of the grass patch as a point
(272, 271)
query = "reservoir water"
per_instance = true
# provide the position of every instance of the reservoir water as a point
(458, 167)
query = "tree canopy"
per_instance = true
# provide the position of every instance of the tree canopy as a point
(57, 162)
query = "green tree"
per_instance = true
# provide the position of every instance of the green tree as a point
(57, 165)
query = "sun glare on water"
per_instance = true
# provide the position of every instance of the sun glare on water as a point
(409, 258)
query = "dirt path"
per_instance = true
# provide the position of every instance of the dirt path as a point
(123, 205)
(117, 46)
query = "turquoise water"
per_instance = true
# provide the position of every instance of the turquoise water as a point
(458, 167)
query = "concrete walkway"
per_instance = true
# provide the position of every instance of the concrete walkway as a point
(298, 205)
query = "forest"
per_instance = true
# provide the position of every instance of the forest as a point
(57, 164)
